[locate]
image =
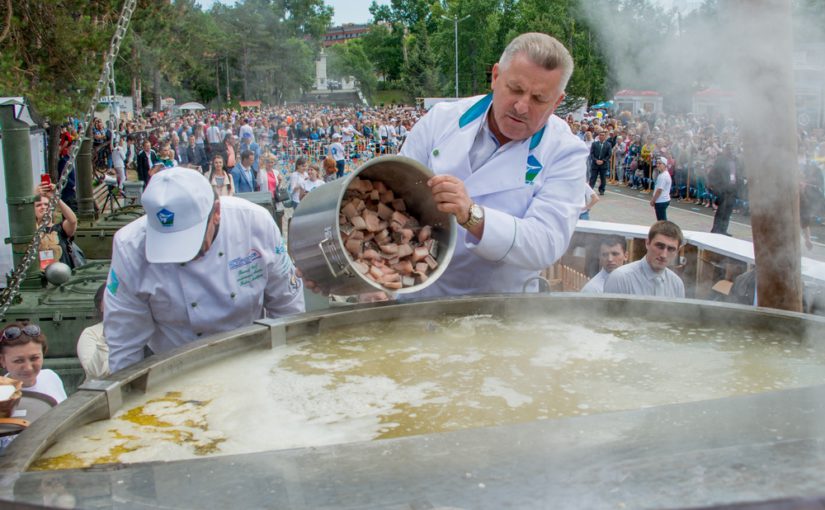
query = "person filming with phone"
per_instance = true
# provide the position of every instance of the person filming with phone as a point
(54, 247)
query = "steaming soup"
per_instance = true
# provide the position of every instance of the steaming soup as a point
(389, 379)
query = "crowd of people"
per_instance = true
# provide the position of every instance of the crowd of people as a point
(701, 155)
(258, 149)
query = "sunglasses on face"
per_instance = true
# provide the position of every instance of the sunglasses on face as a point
(13, 332)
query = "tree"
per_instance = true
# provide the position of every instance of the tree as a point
(384, 48)
(419, 76)
(43, 59)
(350, 59)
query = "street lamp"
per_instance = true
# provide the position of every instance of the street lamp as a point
(455, 19)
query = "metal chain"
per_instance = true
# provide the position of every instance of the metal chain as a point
(18, 275)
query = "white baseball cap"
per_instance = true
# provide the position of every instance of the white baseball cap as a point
(177, 202)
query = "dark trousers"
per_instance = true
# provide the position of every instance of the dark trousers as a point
(727, 199)
(661, 210)
(143, 175)
(601, 172)
(340, 164)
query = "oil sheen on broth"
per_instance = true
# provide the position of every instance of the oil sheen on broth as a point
(389, 379)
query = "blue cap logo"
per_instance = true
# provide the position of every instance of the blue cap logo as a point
(166, 217)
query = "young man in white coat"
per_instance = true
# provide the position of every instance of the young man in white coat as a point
(509, 170)
(194, 265)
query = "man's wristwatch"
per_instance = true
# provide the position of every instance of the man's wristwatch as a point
(474, 217)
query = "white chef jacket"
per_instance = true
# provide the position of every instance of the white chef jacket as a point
(532, 192)
(244, 274)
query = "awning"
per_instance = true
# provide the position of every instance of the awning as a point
(192, 106)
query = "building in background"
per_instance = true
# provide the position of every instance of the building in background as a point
(344, 33)
(711, 102)
(638, 102)
(809, 80)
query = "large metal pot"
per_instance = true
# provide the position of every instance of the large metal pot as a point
(315, 243)
(730, 451)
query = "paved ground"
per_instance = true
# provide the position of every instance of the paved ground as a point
(623, 205)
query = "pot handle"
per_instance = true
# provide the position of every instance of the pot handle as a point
(343, 268)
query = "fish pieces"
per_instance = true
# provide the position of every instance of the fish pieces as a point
(387, 244)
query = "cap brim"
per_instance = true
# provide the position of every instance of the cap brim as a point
(175, 247)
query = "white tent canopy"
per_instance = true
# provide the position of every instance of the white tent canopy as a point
(192, 106)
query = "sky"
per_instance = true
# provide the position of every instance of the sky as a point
(346, 11)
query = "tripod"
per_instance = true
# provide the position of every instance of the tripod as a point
(111, 200)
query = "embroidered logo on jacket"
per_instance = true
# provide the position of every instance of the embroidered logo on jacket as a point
(247, 269)
(113, 283)
(533, 169)
(244, 261)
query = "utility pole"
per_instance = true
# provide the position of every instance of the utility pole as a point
(228, 95)
(456, 21)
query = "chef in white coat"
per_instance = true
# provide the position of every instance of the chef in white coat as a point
(509, 170)
(194, 265)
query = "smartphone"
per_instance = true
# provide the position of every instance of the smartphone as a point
(45, 179)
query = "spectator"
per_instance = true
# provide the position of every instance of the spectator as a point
(146, 159)
(660, 199)
(313, 179)
(54, 246)
(22, 348)
(244, 175)
(296, 181)
(92, 350)
(119, 160)
(248, 144)
(590, 199)
(723, 181)
(612, 255)
(228, 150)
(268, 177)
(214, 137)
(336, 150)
(600, 152)
(221, 182)
(330, 169)
(650, 276)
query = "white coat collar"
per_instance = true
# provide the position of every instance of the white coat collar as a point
(513, 168)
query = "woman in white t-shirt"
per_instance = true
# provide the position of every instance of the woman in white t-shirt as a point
(22, 348)
(314, 180)
(296, 180)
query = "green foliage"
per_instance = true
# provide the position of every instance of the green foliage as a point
(428, 51)
(384, 49)
(419, 74)
(53, 53)
(265, 49)
(350, 59)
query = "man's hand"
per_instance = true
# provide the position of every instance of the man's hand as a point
(451, 196)
(310, 284)
(367, 297)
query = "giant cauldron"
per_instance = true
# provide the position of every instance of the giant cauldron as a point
(763, 443)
